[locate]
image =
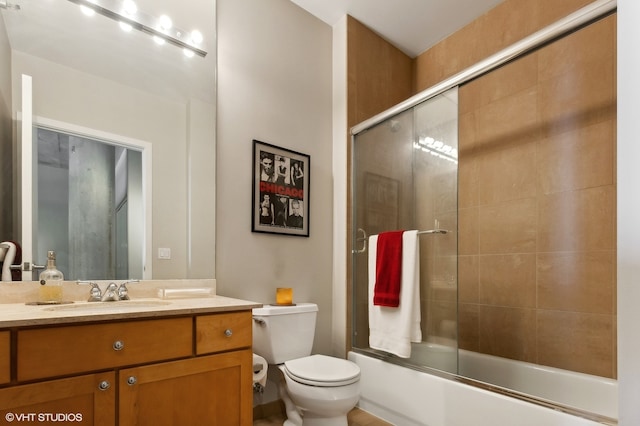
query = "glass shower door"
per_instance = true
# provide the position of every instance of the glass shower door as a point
(405, 177)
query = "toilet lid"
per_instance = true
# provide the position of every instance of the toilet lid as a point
(322, 370)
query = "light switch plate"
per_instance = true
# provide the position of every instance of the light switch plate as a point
(164, 253)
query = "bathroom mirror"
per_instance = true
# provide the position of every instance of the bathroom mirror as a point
(88, 72)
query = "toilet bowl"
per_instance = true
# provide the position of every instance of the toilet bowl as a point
(317, 390)
(324, 389)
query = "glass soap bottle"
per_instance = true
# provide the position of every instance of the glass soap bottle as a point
(51, 281)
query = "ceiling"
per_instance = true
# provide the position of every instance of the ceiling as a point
(57, 31)
(413, 26)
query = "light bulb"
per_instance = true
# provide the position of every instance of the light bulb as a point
(125, 27)
(87, 10)
(129, 7)
(158, 40)
(188, 53)
(196, 37)
(164, 23)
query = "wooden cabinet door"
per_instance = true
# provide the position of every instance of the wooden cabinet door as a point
(212, 390)
(84, 400)
(5, 357)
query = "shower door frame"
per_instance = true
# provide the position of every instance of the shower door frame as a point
(581, 18)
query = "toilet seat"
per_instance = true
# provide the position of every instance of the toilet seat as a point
(322, 371)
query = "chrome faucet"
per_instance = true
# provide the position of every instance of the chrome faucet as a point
(95, 294)
(123, 291)
(112, 293)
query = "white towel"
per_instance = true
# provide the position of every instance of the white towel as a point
(393, 329)
(7, 257)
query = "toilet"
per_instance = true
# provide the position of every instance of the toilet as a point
(317, 390)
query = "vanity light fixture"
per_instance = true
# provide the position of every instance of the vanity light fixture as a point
(130, 17)
(4, 4)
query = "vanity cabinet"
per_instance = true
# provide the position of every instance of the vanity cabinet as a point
(193, 369)
(5, 357)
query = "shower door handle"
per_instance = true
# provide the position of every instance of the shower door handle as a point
(364, 242)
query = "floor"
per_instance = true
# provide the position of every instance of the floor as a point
(356, 417)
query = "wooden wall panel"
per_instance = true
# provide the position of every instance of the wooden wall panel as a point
(379, 74)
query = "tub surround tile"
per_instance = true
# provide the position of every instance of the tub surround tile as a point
(507, 122)
(577, 220)
(550, 11)
(509, 227)
(508, 280)
(577, 84)
(468, 279)
(507, 174)
(578, 159)
(508, 332)
(583, 342)
(469, 326)
(441, 319)
(468, 179)
(577, 99)
(468, 231)
(569, 54)
(506, 81)
(580, 282)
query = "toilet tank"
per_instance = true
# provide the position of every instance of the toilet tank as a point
(282, 333)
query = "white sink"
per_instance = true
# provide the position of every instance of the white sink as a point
(122, 306)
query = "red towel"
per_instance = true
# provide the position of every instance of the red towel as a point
(386, 291)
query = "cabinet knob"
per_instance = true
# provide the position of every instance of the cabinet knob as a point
(104, 385)
(132, 380)
(228, 332)
(118, 345)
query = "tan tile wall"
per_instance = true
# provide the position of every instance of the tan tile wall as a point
(537, 201)
(507, 23)
(379, 74)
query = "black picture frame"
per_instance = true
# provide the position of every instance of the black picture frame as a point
(280, 203)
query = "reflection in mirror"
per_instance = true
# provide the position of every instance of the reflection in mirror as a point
(89, 73)
(89, 199)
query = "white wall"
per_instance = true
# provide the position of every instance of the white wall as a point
(274, 85)
(628, 211)
(340, 182)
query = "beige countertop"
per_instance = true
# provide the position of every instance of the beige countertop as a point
(14, 312)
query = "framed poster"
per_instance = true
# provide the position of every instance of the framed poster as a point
(280, 191)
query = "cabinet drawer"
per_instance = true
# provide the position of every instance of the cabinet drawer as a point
(64, 350)
(223, 332)
(5, 357)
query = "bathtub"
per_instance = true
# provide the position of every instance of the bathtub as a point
(408, 397)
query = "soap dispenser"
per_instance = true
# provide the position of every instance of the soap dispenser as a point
(51, 281)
